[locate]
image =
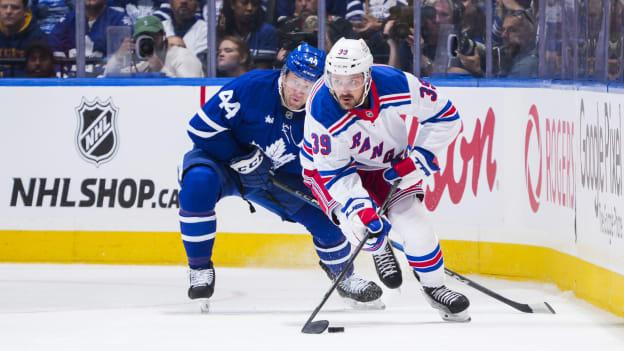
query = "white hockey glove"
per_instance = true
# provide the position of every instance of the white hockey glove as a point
(253, 169)
(419, 164)
(361, 218)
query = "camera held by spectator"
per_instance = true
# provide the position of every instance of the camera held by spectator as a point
(144, 47)
(462, 45)
(149, 53)
(404, 21)
(290, 40)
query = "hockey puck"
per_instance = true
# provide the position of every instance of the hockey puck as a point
(335, 329)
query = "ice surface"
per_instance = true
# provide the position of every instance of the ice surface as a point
(105, 307)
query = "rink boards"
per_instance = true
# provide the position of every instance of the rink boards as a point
(532, 188)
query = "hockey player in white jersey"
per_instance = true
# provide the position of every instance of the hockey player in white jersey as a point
(367, 127)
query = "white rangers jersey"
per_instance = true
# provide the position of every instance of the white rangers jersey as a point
(404, 112)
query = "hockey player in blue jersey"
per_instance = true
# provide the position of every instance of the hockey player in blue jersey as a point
(370, 126)
(249, 129)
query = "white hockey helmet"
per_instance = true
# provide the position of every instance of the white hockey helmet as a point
(347, 57)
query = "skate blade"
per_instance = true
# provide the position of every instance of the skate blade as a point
(461, 317)
(204, 305)
(371, 305)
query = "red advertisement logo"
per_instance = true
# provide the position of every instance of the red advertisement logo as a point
(556, 151)
(534, 193)
(469, 151)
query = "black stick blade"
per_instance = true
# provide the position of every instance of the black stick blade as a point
(316, 327)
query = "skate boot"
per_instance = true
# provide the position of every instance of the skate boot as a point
(202, 286)
(357, 292)
(388, 268)
(451, 305)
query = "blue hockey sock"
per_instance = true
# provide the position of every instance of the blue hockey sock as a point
(335, 256)
(198, 223)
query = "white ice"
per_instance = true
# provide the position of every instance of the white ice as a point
(53, 307)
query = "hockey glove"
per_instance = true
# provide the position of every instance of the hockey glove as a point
(419, 164)
(361, 219)
(253, 169)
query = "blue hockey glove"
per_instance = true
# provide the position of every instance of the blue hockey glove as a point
(253, 169)
(419, 164)
(361, 219)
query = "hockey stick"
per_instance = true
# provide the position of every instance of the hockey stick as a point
(317, 327)
(523, 307)
(300, 194)
(543, 307)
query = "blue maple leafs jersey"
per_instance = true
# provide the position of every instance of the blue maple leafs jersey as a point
(247, 112)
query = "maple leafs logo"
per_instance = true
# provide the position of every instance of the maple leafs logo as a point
(277, 153)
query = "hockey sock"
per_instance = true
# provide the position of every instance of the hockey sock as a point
(198, 222)
(334, 256)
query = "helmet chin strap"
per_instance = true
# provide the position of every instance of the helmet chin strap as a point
(281, 94)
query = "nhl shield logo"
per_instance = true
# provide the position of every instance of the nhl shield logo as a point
(96, 135)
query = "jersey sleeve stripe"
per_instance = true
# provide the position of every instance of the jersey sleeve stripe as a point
(350, 170)
(312, 180)
(334, 172)
(305, 155)
(344, 119)
(346, 126)
(209, 122)
(392, 97)
(201, 134)
(316, 87)
(444, 110)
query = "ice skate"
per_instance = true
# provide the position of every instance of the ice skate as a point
(452, 306)
(357, 292)
(202, 286)
(388, 268)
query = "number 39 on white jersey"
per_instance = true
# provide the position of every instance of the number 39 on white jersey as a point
(404, 112)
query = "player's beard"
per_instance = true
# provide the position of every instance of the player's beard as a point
(346, 105)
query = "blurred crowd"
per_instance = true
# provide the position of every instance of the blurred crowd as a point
(559, 39)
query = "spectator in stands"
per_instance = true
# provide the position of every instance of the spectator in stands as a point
(519, 30)
(472, 23)
(444, 11)
(338, 27)
(17, 30)
(399, 32)
(430, 29)
(233, 57)
(519, 57)
(303, 9)
(175, 41)
(380, 9)
(39, 61)
(99, 18)
(244, 19)
(348, 9)
(134, 9)
(501, 9)
(50, 12)
(153, 54)
(616, 41)
(402, 50)
(187, 24)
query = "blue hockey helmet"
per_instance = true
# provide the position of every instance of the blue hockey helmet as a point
(306, 62)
